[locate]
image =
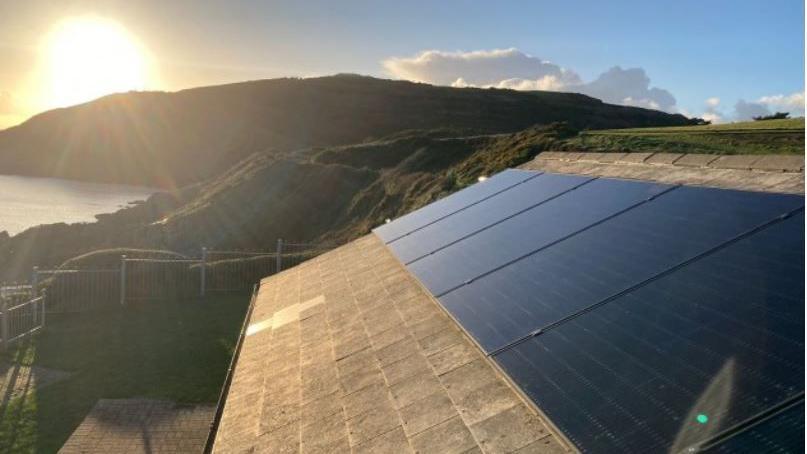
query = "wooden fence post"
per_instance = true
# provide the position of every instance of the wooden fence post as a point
(122, 280)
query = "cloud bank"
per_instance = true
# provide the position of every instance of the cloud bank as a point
(747, 110)
(511, 68)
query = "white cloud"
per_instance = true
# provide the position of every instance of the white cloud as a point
(513, 69)
(744, 110)
(713, 117)
(628, 86)
(477, 68)
(711, 113)
(792, 103)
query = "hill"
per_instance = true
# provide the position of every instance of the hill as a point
(170, 140)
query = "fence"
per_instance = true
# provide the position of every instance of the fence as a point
(22, 313)
(137, 279)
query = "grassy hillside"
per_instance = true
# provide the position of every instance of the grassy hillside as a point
(173, 139)
(319, 194)
(756, 137)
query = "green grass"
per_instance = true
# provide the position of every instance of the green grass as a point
(750, 126)
(172, 350)
(757, 137)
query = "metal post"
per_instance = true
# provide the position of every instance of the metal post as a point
(35, 282)
(122, 280)
(35, 290)
(278, 254)
(4, 324)
(203, 272)
(42, 303)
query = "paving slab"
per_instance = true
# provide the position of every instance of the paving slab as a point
(740, 162)
(634, 158)
(663, 158)
(779, 163)
(695, 160)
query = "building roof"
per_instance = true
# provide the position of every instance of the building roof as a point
(767, 173)
(347, 352)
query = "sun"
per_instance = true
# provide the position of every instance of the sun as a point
(89, 57)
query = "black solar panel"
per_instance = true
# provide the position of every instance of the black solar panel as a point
(639, 317)
(484, 214)
(451, 204)
(598, 262)
(782, 433)
(529, 231)
(680, 359)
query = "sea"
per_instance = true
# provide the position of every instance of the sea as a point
(29, 201)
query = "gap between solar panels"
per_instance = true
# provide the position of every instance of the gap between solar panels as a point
(660, 275)
(510, 216)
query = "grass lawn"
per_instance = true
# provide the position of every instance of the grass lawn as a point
(177, 350)
(756, 137)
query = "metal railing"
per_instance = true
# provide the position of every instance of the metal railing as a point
(135, 279)
(20, 317)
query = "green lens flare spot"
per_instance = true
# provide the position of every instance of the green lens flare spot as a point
(701, 418)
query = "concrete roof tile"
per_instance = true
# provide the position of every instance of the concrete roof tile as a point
(427, 412)
(451, 436)
(356, 363)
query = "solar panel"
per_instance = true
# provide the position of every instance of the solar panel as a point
(780, 433)
(677, 361)
(502, 306)
(451, 204)
(527, 194)
(536, 228)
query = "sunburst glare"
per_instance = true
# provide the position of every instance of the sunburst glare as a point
(89, 57)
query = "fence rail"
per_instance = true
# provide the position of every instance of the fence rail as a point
(19, 319)
(137, 279)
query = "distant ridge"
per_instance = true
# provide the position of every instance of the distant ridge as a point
(174, 139)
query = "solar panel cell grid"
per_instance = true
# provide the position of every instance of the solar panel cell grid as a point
(529, 231)
(602, 261)
(451, 204)
(527, 194)
(644, 366)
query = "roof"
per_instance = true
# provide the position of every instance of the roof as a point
(767, 173)
(346, 352)
(349, 352)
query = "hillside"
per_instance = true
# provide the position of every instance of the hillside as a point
(170, 140)
(333, 194)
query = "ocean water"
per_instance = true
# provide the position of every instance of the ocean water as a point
(27, 201)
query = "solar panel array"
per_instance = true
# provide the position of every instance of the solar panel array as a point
(639, 317)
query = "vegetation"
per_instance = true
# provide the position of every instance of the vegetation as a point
(782, 136)
(177, 350)
(776, 116)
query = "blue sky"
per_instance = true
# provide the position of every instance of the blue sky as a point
(693, 50)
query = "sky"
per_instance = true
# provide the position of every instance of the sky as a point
(721, 60)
